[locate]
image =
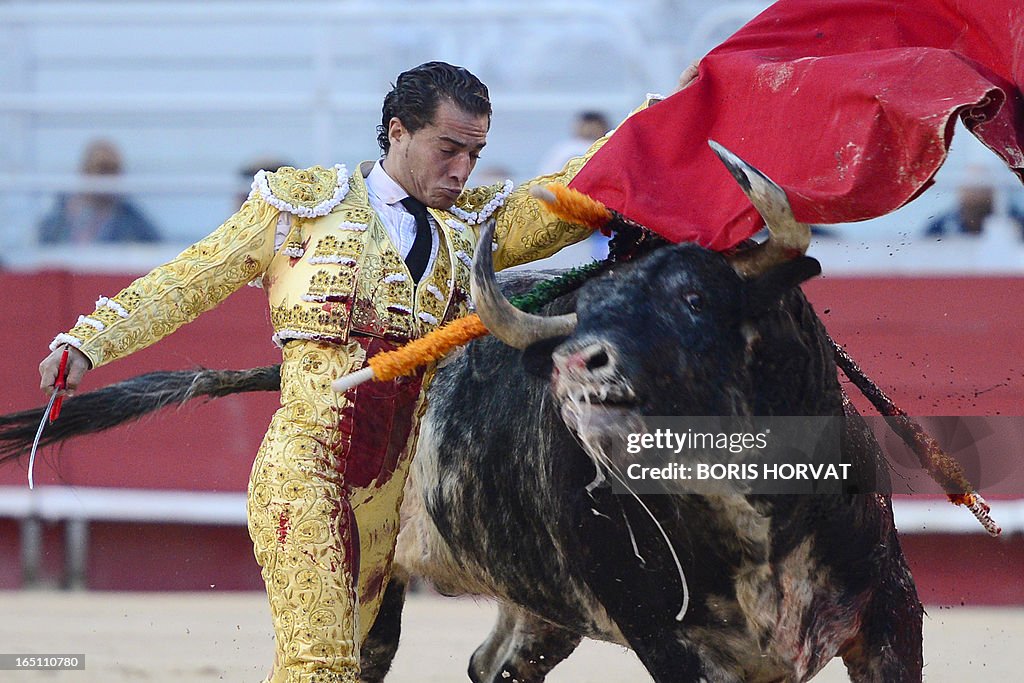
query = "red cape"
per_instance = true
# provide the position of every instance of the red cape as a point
(848, 104)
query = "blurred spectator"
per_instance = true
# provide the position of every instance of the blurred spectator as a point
(589, 126)
(975, 205)
(90, 217)
(247, 172)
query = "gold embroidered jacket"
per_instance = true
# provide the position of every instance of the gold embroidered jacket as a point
(335, 271)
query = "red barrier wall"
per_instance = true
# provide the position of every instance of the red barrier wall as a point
(203, 447)
(940, 346)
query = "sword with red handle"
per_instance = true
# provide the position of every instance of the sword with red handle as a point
(51, 412)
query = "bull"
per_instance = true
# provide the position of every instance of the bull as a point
(508, 496)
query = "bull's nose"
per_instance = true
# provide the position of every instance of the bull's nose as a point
(595, 358)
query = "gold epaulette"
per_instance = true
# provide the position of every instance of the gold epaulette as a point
(474, 206)
(306, 192)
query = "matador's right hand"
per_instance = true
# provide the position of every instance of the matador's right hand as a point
(688, 76)
(78, 363)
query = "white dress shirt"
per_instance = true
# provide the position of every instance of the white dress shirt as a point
(386, 199)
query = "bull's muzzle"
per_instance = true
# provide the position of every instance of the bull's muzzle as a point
(591, 360)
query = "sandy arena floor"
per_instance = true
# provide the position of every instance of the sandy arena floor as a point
(173, 637)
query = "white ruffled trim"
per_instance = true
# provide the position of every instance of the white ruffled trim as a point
(395, 277)
(333, 258)
(257, 283)
(465, 258)
(427, 317)
(354, 227)
(399, 308)
(91, 322)
(478, 217)
(436, 292)
(110, 303)
(293, 252)
(315, 298)
(64, 338)
(261, 187)
(286, 335)
(455, 225)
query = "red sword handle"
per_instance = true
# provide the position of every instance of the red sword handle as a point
(62, 378)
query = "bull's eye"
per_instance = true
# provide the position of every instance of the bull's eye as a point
(694, 301)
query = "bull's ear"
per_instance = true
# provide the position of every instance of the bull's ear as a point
(537, 357)
(765, 291)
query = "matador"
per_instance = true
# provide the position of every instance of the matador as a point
(351, 267)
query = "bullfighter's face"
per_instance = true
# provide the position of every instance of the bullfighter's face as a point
(433, 163)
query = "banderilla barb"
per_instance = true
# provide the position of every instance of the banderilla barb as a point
(943, 469)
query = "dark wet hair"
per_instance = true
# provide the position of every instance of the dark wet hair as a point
(418, 91)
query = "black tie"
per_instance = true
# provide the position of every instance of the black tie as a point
(420, 252)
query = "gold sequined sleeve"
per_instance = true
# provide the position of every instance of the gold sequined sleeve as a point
(175, 293)
(526, 231)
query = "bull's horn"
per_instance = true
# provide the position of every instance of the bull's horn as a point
(503, 320)
(788, 237)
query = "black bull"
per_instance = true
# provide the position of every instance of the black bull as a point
(503, 505)
(501, 500)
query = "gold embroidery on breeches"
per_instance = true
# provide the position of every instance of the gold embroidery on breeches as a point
(310, 529)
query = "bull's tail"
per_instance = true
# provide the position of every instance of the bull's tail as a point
(126, 401)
